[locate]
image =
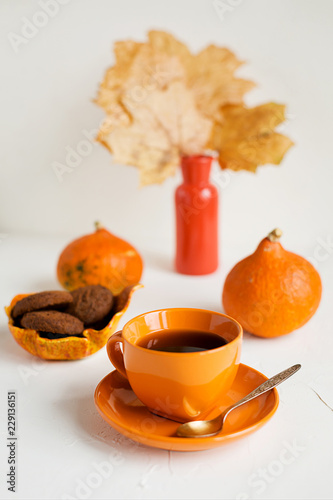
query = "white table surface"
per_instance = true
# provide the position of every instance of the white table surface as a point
(62, 440)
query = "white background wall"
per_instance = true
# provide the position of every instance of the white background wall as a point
(48, 84)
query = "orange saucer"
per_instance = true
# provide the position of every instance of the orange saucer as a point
(119, 406)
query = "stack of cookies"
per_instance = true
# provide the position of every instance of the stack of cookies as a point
(56, 314)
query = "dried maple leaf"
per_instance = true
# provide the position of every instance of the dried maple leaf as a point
(165, 125)
(139, 69)
(165, 43)
(209, 74)
(112, 86)
(246, 138)
(211, 77)
(162, 60)
(162, 101)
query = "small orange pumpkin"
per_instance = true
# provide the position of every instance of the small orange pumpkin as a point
(99, 258)
(69, 348)
(272, 292)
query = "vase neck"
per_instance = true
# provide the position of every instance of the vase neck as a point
(196, 169)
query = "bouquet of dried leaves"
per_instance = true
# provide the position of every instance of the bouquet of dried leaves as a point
(162, 102)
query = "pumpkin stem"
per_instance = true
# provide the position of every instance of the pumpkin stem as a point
(275, 235)
(98, 225)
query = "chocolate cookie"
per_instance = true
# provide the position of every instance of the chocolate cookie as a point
(53, 322)
(91, 303)
(42, 300)
(121, 300)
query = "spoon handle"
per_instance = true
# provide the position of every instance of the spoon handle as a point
(266, 386)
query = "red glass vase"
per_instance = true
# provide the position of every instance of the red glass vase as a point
(196, 218)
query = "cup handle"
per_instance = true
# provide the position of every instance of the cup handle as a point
(115, 354)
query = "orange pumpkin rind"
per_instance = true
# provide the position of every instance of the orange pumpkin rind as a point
(68, 348)
(99, 258)
(272, 292)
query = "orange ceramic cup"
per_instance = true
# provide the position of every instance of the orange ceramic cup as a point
(181, 386)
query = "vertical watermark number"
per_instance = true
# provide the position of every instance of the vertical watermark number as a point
(11, 440)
